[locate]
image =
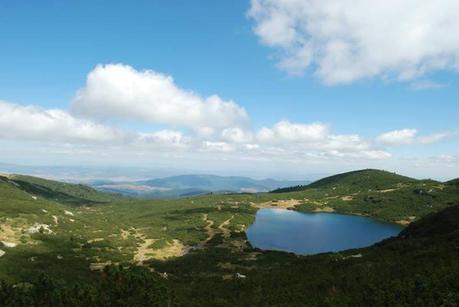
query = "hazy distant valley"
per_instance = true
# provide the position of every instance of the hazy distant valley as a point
(190, 185)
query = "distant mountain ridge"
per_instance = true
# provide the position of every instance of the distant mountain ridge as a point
(188, 185)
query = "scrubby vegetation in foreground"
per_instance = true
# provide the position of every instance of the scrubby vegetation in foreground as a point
(417, 268)
(189, 252)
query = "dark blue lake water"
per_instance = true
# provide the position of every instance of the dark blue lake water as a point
(311, 233)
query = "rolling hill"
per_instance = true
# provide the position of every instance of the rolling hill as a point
(375, 193)
(68, 193)
(453, 182)
(354, 181)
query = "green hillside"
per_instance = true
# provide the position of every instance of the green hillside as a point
(454, 181)
(380, 194)
(55, 253)
(435, 224)
(363, 179)
(355, 181)
(75, 194)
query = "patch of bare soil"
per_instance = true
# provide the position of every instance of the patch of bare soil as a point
(174, 249)
(324, 209)
(406, 221)
(387, 190)
(95, 240)
(124, 234)
(252, 256)
(145, 251)
(11, 230)
(282, 204)
(99, 266)
(238, 245)
(9, 233)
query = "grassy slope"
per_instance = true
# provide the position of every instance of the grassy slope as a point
(453, 182)
(76, 194)
(355, 181)
(414, 269)
(382, 195)
(76, 237)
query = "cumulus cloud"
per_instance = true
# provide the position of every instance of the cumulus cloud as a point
(120, 91)
(33, 123)
(284, 140)
(436, 137)
(347, 40)
(217, 146)
(363, 154)
(316, 139)
(237, 135)
(294, 132)
(18, 122)
(409, 136)
(168, 138)
(404, 136)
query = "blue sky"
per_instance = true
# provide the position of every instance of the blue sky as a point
(233, 49)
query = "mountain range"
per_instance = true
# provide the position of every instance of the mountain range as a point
(189, 185)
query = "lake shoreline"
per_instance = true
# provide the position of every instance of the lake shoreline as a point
(309, 233)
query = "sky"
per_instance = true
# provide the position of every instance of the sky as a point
(263, 88)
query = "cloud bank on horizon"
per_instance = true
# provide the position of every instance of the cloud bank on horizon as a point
(343, 41)
(192, 124)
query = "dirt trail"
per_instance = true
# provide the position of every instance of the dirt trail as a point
(226, 232)
(209, 229)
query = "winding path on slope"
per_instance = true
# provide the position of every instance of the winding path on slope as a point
(211, 231)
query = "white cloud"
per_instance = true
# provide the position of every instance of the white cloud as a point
(363, 154)
(120, 91)
(217, 146)
(237, 135)
(33, 123)
(168, 138)
(404, 136)
(293, 132)
(409, 136)
(347, 40)
(284, 140)
(436, 137)
(427, 84)
(452, 160)
(315, 139)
